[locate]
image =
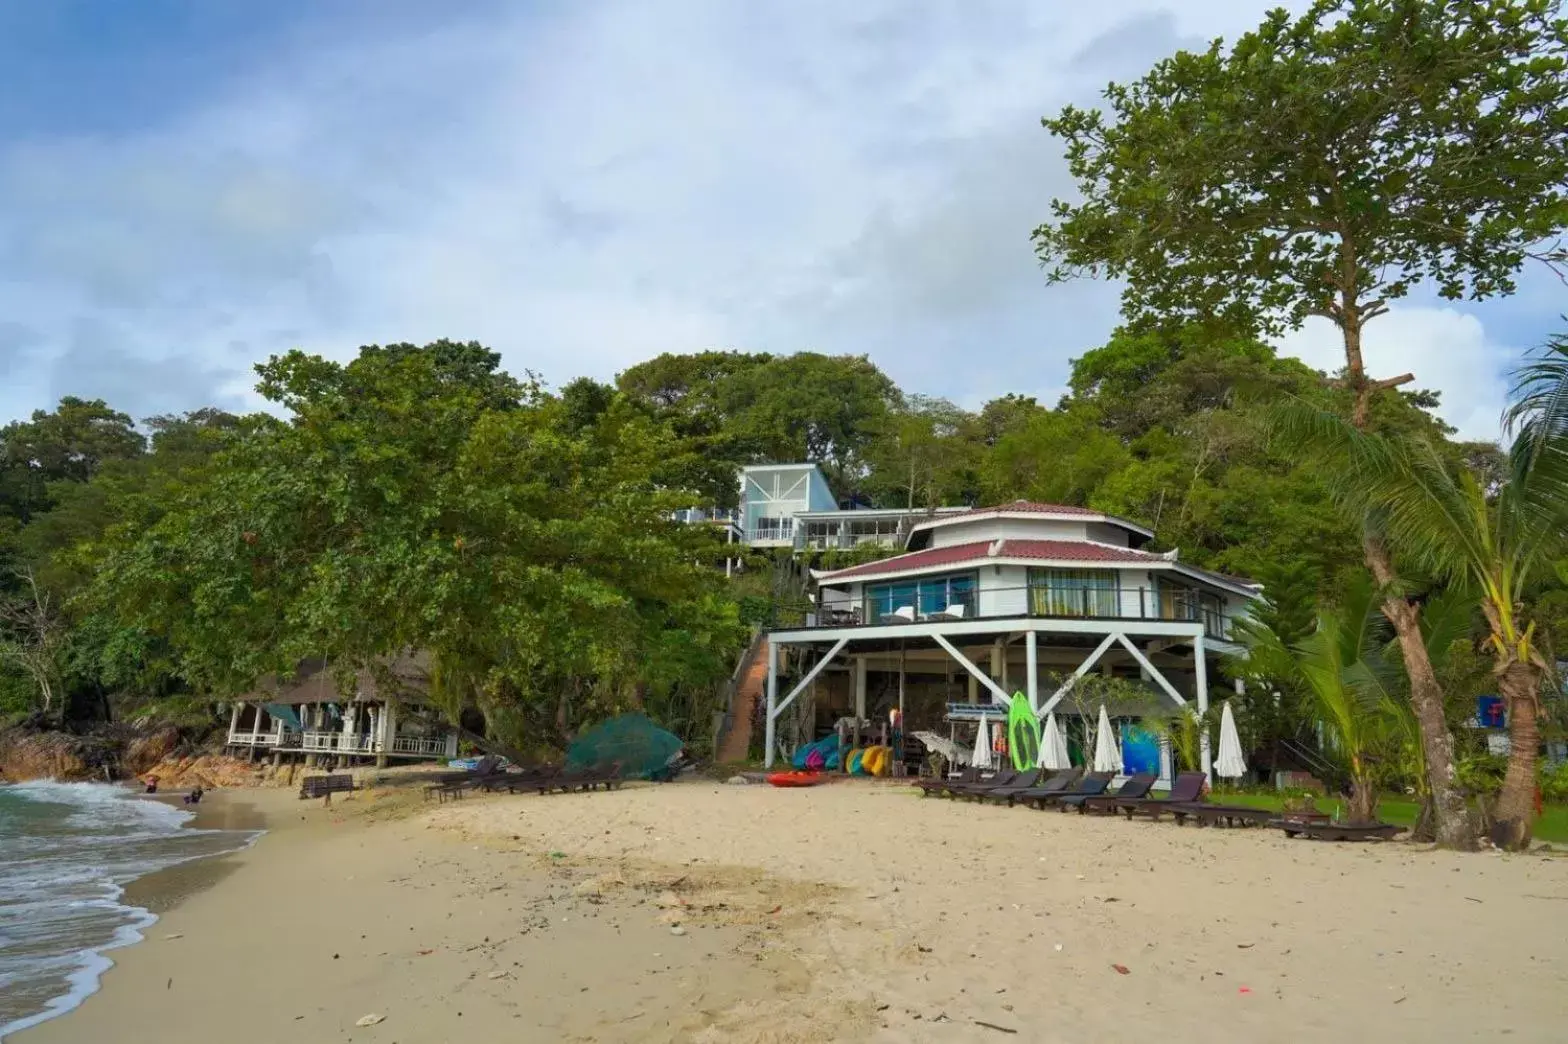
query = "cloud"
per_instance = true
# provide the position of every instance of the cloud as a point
(582, 186)
(1447, 350)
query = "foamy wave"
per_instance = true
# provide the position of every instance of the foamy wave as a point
(62, 880)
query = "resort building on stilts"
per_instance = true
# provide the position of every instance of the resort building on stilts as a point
(988, 602)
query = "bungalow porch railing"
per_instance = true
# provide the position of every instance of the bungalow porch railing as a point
(1042, 600)
(338, 742)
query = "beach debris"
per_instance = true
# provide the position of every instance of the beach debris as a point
(1245, 946)
(1058, 947)
(994, 1026)
(1244, 989)
(737, 781)
(1122, 969)
(369, 1020)
(677, 930)
(499, 973)
(174, 935)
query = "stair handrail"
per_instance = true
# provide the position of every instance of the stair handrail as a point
(732, 687)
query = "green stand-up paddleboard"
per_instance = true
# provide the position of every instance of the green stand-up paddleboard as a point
(1023, 734)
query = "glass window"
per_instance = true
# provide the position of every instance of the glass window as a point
(1074, 592)
(926, 595)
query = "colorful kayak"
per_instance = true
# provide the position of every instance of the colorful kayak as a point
(797, 779)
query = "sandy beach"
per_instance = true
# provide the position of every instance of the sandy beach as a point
(856, 911)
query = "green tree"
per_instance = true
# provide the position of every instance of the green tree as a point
(1323, 166)
(1496, 542)
(921, 456)
(522, 543)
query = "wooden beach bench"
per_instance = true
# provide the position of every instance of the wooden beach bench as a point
(326, 786)
(1338, 831)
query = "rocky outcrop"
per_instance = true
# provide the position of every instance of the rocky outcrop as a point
(144, 751)
(27, 754)
(104, 753)
(210, 770)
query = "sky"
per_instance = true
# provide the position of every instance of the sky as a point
(190, 186)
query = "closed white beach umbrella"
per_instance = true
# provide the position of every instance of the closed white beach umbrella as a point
(1230, 764)
(1107, 756)
(982, 754)
(1053, 746)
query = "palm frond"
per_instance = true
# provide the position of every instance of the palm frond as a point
(1538, 410)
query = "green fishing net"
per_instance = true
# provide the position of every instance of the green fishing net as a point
(644, 750)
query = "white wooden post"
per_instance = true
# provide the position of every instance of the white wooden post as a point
(234, 719)
(769, 728)
(1031, 664)
(1202, 679)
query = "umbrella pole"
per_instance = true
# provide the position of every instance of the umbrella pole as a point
(898, 735)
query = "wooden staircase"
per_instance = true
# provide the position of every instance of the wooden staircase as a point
(748, 688)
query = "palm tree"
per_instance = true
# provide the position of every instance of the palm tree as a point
(1496, 541)
(1349, 685)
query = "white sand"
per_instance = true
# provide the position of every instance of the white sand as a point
(956, 911)
(846, 912)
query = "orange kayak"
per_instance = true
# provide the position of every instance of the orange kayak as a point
(797, 779)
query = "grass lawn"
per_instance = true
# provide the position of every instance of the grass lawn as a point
(1552, 826)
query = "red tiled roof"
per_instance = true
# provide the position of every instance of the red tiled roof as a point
(1029, 507)
(1040, 550)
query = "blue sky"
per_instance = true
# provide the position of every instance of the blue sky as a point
(188, 187)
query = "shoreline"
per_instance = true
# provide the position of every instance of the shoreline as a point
(698, 911)
(144, 898)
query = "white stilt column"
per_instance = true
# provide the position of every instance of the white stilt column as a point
(1201, 667)
(1032, 666)
(769, 729)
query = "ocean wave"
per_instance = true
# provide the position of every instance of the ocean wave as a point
(67, 850)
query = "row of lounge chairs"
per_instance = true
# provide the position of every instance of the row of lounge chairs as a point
(1089, 793)
(491, 777)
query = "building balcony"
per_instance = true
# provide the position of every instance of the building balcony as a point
(1036, 602)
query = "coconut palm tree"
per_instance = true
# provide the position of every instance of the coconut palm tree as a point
(1497, 540)
(1348, 685)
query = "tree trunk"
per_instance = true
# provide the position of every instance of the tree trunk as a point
(1452, 822)
(1362, 806)
(1520, 684)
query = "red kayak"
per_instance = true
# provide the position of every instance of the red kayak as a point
(797, 779)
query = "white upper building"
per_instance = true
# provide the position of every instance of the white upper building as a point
(1031, 560)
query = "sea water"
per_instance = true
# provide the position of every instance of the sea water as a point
(67, 850)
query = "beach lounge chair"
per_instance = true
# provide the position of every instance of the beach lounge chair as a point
(511, 782)
(1134, 787)
(453, 784)
(1024, 781)
(1205, 813)
(1185, 789)
(939, 784)
(1003, 778)
(1338, 831)
(1093, 783)
(1061, 783)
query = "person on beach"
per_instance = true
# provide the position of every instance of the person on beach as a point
(194, 797)
(152, 785)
